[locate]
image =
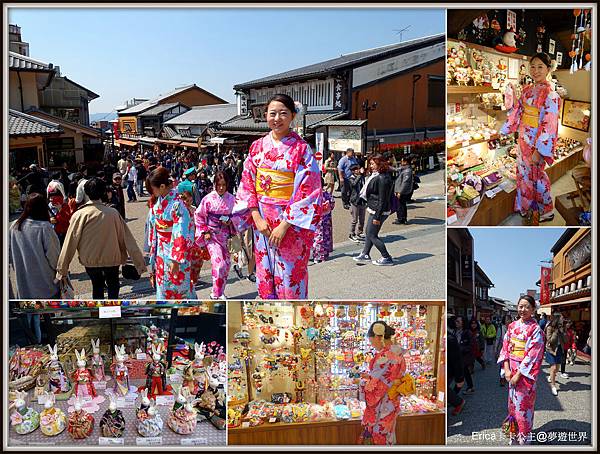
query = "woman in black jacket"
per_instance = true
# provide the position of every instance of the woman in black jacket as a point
(377, 192)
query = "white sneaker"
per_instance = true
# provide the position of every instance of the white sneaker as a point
(564, 375)
(554, 391)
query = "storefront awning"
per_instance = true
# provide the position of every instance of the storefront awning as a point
(220, 140)
(168, 142)
(585, 299)
(128, 143)
(188, 144)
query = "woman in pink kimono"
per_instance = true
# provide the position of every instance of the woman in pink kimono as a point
(280, 195)
(521, 357)
(385, 370)
(171, 237)
(535, 117)
(213, 230)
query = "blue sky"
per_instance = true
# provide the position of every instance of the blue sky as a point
(126, 53)
(511, 257)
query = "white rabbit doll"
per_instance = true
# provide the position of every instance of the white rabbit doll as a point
(112, 423)
(52, 420)
(83, 378)
(183, 419)
(97, 362)
(58, 380)
(120, 372)
(144, 404)
(156, 378)
(152, 424)
(24, 419)
(81, 423)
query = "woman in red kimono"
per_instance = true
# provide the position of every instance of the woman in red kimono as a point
(535, 117)
(521, 357)
(382, 405)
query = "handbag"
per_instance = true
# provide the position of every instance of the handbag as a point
(67, 292)
(130, 272)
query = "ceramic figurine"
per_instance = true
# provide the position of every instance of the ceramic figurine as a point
(150, 424)
(58, 381)
(81, 423)
(97, 362)
(156, 378)
(52, 420)
(144, 405)
(83, 378)
(194, 375)
(212, 401)
(112, 423)
(183, 419)
(24, 419)
(120, 372)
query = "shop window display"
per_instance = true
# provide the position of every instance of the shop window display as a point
(155, 374)
(296, 370)
(488, 69)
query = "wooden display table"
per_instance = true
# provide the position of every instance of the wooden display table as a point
(415, 429)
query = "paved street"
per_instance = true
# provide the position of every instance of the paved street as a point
(418, 250)
(570, 412)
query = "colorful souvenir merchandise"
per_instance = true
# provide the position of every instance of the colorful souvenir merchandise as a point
(81, 423)
(305, 362)
(150, 423)
(24, 419)
(112, 423)
(156, 381)
(58, 380)
(182, 419)
(120, 373)
(97, 362)
(24, 366)
(83, 378)
(52, 420)
(518, 136)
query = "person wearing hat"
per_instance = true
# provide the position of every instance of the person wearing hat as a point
(116, 198)
(190, 175)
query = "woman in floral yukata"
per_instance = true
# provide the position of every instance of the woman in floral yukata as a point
(280, 194)
(535, 117)
(171, 237)
(385, 370)
(213, 230)
(521, 357)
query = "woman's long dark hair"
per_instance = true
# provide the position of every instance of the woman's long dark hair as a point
(36, 208)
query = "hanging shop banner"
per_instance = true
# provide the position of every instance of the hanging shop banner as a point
(340, 138)
(390, 66)
(320, 148)
(467, 266)
(545, 285)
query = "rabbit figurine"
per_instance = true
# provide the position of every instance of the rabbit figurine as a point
(81, 423)
(83, 378)
(144, 405)
(97, 362)
(52, 420)
(112, 423)
(24, 419)
(58, 380)
(194, 375)
(151, 425)
(156, 370)
(183, 419)
(120, 372)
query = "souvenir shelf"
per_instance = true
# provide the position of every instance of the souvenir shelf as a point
(138, 327)
(295, 369)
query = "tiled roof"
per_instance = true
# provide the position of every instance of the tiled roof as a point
(340, 123)
(153, 102)
(168, 132)
(66, 123)
(20, 124)
(202, 115)
(22, 62)
(343, 61)
(245, 123)
(157, 110)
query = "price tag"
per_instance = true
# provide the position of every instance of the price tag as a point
(245, 424)
(123, 402)
(194, 441)
(100, 384)
(148, 441)
(491, 194)
(175, 378)
(452, 219)
(109, 312)
(441, 396)
(141, 356)
(476, 200)
(107, 441)
(165, 400)
(272, 420)
(42, 398)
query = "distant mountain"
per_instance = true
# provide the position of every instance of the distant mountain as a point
(103, 116)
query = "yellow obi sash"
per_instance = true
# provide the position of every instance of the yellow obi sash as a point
(277, 184)
(531, 116)
(518, 348)
(164, 229)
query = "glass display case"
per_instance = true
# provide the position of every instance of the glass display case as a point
(173, 351)
(295, 370)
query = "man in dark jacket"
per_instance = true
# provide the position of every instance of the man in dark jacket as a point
(116, 197)
(34, 180)
(403, 188)
(357, 205)
(455, 368)
(141, 176)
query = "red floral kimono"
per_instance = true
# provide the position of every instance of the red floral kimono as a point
(381, 412)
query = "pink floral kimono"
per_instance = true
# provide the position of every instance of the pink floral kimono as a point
(284, 183)
(535, 117)
(381, 412)
(523, 346)
(207, 219)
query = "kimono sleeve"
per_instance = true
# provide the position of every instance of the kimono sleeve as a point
(534, 351)
(245, 197)
(180, 233)
(513, 119)
(152, 238)
(548, 127)
(303, 211)
(201, 221)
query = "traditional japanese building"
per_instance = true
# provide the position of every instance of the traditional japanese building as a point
(459, 272)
